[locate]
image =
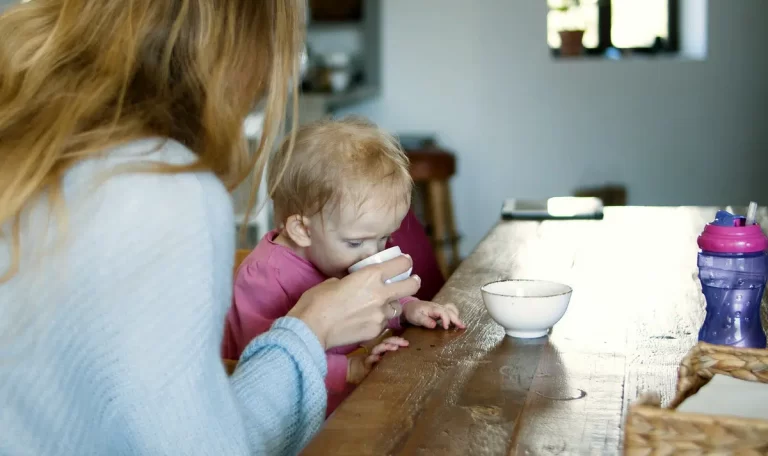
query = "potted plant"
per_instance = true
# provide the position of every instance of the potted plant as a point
(572, 27)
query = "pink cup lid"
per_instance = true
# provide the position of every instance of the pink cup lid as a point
(733, 239)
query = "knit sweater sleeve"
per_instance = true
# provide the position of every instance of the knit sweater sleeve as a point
(154, 277)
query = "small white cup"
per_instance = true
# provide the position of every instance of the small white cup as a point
(384, 255)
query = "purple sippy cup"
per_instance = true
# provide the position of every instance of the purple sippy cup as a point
(732, 270)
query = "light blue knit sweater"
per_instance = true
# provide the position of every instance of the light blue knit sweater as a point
(109, 342)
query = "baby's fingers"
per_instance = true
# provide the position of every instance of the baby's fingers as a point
(453, 315)
(385, 347)
(371, 360)
(394, 340)
(447, 314)
(442, 314)
(422, 318)
(389, 344)
(457, 322)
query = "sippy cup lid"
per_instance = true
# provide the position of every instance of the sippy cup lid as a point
(727, 234)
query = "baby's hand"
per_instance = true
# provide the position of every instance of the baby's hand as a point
(426, 314)
(360, 365)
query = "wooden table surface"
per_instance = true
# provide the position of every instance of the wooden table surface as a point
(635, 312)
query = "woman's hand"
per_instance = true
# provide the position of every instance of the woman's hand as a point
(357, 307)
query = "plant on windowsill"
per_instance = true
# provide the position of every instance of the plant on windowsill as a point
(572, 29)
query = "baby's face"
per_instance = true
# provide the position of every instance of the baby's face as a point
(348, 235)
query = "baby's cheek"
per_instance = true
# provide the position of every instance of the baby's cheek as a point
(357, 258)
(347, 262)
(342, 262)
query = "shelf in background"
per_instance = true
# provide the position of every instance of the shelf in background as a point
(333, 101)
(335, 25)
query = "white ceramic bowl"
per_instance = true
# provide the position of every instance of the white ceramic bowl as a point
(526, 308)
(385, 255)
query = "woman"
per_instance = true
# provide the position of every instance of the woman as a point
(120, 127)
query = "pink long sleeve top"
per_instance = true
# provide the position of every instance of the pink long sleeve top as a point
(268, 284)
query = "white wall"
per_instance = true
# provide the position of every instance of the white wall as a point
(479, 74)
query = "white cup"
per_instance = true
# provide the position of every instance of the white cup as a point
(384, 255)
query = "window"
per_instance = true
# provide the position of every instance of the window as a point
(625, 26)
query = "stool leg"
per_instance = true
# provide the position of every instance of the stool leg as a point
(420, 206)
(436, 202)
(452, 228)
(426, 206)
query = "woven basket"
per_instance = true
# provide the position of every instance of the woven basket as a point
(652, 430)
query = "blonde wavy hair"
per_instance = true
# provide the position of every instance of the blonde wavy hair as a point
(80, 76)
(345, 161)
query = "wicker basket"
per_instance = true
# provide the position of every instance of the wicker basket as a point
(652, 430)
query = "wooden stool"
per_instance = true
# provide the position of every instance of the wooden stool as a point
(240, 255)
(431, 169)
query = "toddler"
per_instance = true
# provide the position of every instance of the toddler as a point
(345, 190)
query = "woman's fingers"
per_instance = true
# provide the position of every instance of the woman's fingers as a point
(395, 309)
(388, 269)
(402, 289)
(393, 267)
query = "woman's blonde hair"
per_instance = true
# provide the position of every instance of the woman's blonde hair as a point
(336, 162)
(80, 76)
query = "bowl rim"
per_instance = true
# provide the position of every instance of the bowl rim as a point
(568, 291)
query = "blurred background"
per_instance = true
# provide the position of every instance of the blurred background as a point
(662, 102)
(666, 99)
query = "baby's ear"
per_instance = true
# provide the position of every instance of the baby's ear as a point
(297, 228)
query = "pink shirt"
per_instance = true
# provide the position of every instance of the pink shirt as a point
(413, 240)
(268, 284)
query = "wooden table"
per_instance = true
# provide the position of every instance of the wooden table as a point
(635, 312)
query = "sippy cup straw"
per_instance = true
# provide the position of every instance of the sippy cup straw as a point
(751, 213)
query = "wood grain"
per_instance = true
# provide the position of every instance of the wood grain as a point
(635, 312)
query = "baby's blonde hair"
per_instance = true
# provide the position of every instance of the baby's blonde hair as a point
(338, 161)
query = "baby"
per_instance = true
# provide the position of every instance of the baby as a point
(345, 190)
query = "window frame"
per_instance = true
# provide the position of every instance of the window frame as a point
(605, 42)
